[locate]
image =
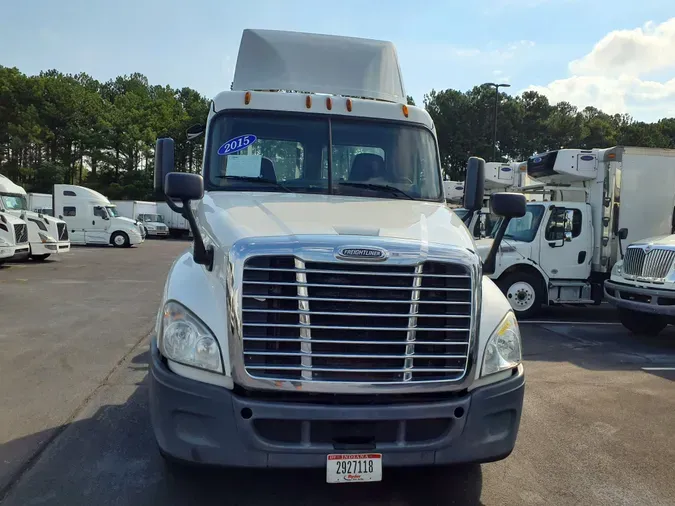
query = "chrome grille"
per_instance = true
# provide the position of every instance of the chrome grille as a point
(62, 229)
(652, 265)
(21, 233)
(363, 323)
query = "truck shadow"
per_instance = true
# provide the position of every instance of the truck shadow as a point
(110, 457)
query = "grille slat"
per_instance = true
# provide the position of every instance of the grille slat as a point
(318, 321)
(652, 265)
(21, 233)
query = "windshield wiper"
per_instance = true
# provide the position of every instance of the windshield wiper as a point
(373, 186)
(257, 180)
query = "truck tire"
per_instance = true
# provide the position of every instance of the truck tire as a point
(642, 324)
(120, 240)
(40, 258)
(524, 292)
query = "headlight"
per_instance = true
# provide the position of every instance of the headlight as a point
(616, 270)
(46, 238)
(185, 339)
(503, 349)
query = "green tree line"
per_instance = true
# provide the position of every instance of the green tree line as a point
(62, 128)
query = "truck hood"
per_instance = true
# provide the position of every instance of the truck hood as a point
(231, 216)
(483, 247)
(662, 240)
(11, 218)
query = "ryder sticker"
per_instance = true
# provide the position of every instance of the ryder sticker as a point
(237, 144)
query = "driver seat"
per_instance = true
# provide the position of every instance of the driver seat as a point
(366, 166)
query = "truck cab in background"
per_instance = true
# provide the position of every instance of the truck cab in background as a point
(565, 246)
(46, 235)
(642, 285)
(332, 309)
(146, 214)
(93, 219)
(13, 238)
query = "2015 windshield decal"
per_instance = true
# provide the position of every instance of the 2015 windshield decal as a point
(237, 144)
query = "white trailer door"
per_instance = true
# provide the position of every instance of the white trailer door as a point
(566, 242)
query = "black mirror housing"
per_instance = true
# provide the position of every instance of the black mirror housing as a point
(164, 163)
(508, 205)
(184, 186)
(623, 233)
(474, 183)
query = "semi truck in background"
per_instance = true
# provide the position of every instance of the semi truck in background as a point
(145, 213)
(332, 312)
(642, 285)
(564, 248)
(40, 203)
(93, 219)
(13, 237)
(46, 235)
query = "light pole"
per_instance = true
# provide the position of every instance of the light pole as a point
(494, 139)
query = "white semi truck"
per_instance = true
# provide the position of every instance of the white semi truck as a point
(46, 235)
(93, 219)
(13, 237)
(564, 248)
(642, 285)
(332, 311)
(146, 213)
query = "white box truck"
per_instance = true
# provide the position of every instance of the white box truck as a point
(40, 203)
(332, 311)
(13, 237)
(564, 248)
(145, 213)
(46, 235)
(178, 225)
(93, 219)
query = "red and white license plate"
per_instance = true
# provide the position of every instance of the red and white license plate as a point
(348, 468)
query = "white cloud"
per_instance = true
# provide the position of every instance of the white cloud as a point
(612, 76)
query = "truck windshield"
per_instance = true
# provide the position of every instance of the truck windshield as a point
(524, 228)
(112, 211)
(14, 202)
(264, 152)
(154, 218)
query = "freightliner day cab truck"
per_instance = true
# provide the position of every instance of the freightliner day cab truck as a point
(332, 311)
(46, 235)
(564, 248)
(93, 219)
(13, 237)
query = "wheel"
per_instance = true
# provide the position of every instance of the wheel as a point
(40, 258)
(524, 292)
(642, 324)
(120, 240)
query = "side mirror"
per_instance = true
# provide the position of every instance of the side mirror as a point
(568, 236)
(106, 217)
(195, 131)
(474, 183)
(184, 186)
(623, 233)
(508, 206)
(164, 164)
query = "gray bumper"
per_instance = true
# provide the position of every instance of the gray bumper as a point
(644, 300)
(197, 422)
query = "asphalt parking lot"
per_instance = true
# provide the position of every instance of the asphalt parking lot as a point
(597, 428)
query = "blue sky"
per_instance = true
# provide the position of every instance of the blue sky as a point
(546, 45)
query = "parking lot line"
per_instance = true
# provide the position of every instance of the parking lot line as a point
(563, 322)
(658, 368)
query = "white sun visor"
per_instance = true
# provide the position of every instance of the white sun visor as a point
(305, 62)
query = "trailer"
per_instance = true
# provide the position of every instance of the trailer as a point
(178, 225)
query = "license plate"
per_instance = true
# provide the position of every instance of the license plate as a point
(347, 468)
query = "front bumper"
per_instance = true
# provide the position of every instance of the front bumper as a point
(49, 248)
(644, 300)
(135, 238)
(202, 423)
